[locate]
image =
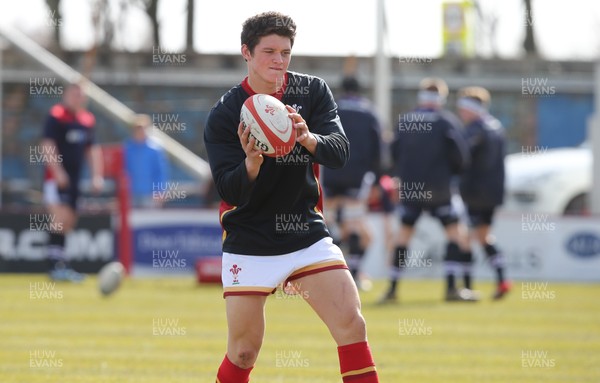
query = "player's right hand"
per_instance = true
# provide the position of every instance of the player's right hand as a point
(254, 157)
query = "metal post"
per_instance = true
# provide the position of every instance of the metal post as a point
(383, 76)
(594, 142)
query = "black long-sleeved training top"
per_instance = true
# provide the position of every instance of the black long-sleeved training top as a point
(281, 211)
(363, 131)
(428, 150)
(482, 184)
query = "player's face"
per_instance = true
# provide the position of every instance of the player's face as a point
(466, 115)
(74, 98)
(139, 133)
(269, 62)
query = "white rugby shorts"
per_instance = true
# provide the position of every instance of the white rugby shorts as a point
(261, 275)
(50, 192)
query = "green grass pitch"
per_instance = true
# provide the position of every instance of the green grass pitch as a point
(171, 330)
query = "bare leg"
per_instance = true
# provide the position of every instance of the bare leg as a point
(333, 296)
(246, 328)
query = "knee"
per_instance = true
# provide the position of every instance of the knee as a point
(68, 221)
(354, 323)
(68, 226)
(243, 357)
(483, 238)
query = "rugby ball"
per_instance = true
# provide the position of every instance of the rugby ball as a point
(269, 124)
(110, 277)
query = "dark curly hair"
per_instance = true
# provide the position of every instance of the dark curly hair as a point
(264, 24)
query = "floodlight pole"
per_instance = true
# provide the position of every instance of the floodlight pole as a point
(382, 88)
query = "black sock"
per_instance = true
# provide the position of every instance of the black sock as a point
(496, 261)
(355, 254)
(500, 275)
(452, 263)
(467, 264)
(353, 262)
(55, 252)
(450, 282)
(398, 263)
(467, 280)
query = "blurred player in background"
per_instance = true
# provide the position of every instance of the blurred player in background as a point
(146, 164)
(482, 184)
(69, 138)
(347, 189)
(427, 152)
(383, 200)
(256, 192)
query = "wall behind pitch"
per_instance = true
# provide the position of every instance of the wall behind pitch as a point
(170, 241)
(536, 247)
(562, 119)
(23, 241)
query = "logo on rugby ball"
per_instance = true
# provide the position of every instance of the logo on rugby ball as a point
(270, 125)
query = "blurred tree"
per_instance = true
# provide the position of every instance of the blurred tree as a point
(529, 42)
(103, 25)
(151, 8)
(104, 35)
(488, 25)
(189, 40)
(54, 13)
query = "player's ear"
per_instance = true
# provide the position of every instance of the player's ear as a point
(246, 54)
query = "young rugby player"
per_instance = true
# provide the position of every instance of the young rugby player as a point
(258, 192)
(68, 138)
(428, 151)
(347, 189)
(482, 184)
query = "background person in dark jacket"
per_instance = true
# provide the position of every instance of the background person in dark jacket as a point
(347, 189)
(428, 151)
(482, 184)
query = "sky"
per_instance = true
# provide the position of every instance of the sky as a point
(566, 30)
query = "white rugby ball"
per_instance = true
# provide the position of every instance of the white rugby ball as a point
(269, 124)
(110, 277)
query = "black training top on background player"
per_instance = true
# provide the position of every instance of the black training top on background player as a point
(67, 140)
(482, 184)
(73, 134)
(362, 128)
(428, 151)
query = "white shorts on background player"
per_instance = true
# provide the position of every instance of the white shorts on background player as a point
(261, 275)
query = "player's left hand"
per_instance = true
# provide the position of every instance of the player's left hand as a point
(303, 136)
